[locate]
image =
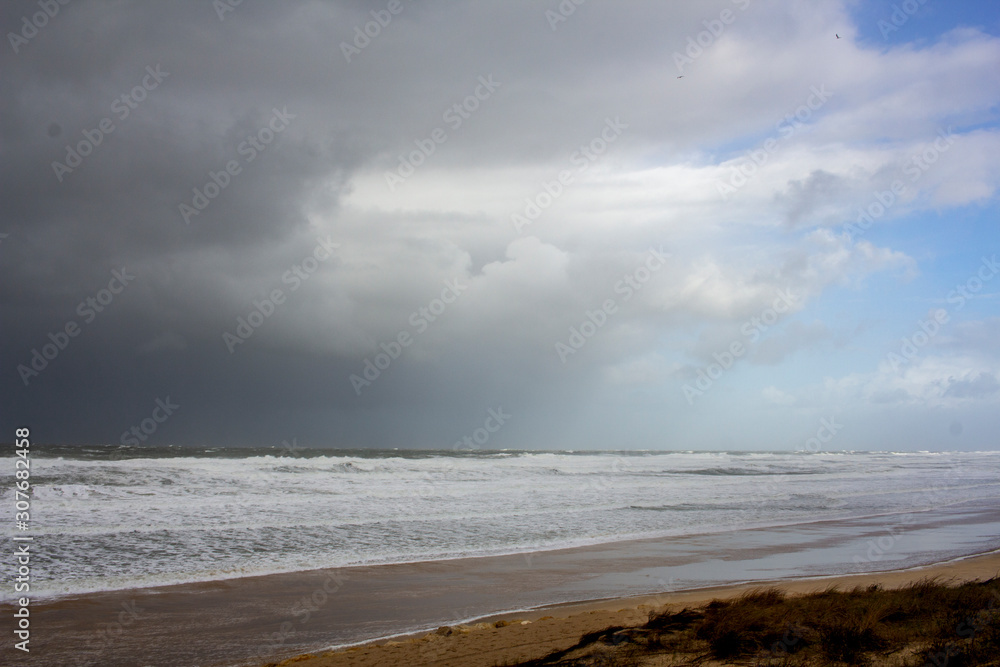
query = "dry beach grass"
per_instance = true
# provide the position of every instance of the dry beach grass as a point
(924, 623)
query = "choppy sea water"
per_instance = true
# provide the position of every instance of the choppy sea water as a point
(108, 518)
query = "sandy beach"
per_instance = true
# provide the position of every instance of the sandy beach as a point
(513, 638)
(253, 621)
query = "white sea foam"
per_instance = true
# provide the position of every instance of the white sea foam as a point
(106, 522)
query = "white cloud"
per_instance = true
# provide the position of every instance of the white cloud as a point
(775, 396)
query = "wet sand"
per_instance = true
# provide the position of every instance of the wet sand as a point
(256, 620)
(515, 638)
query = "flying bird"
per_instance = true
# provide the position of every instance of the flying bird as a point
(681, 76)
(838, 36)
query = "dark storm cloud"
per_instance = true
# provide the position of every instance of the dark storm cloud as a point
(162, 97)
(176, 176)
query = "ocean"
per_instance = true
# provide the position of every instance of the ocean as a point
(108, 518)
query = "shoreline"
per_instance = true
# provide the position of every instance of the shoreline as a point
(254, 620)
(530, 634)
(49, 598)
(727, 590)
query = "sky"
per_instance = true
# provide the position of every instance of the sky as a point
(687, 225)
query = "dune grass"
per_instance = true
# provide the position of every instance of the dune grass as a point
(927, 623)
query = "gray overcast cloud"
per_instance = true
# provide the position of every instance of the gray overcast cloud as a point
(478, 205)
